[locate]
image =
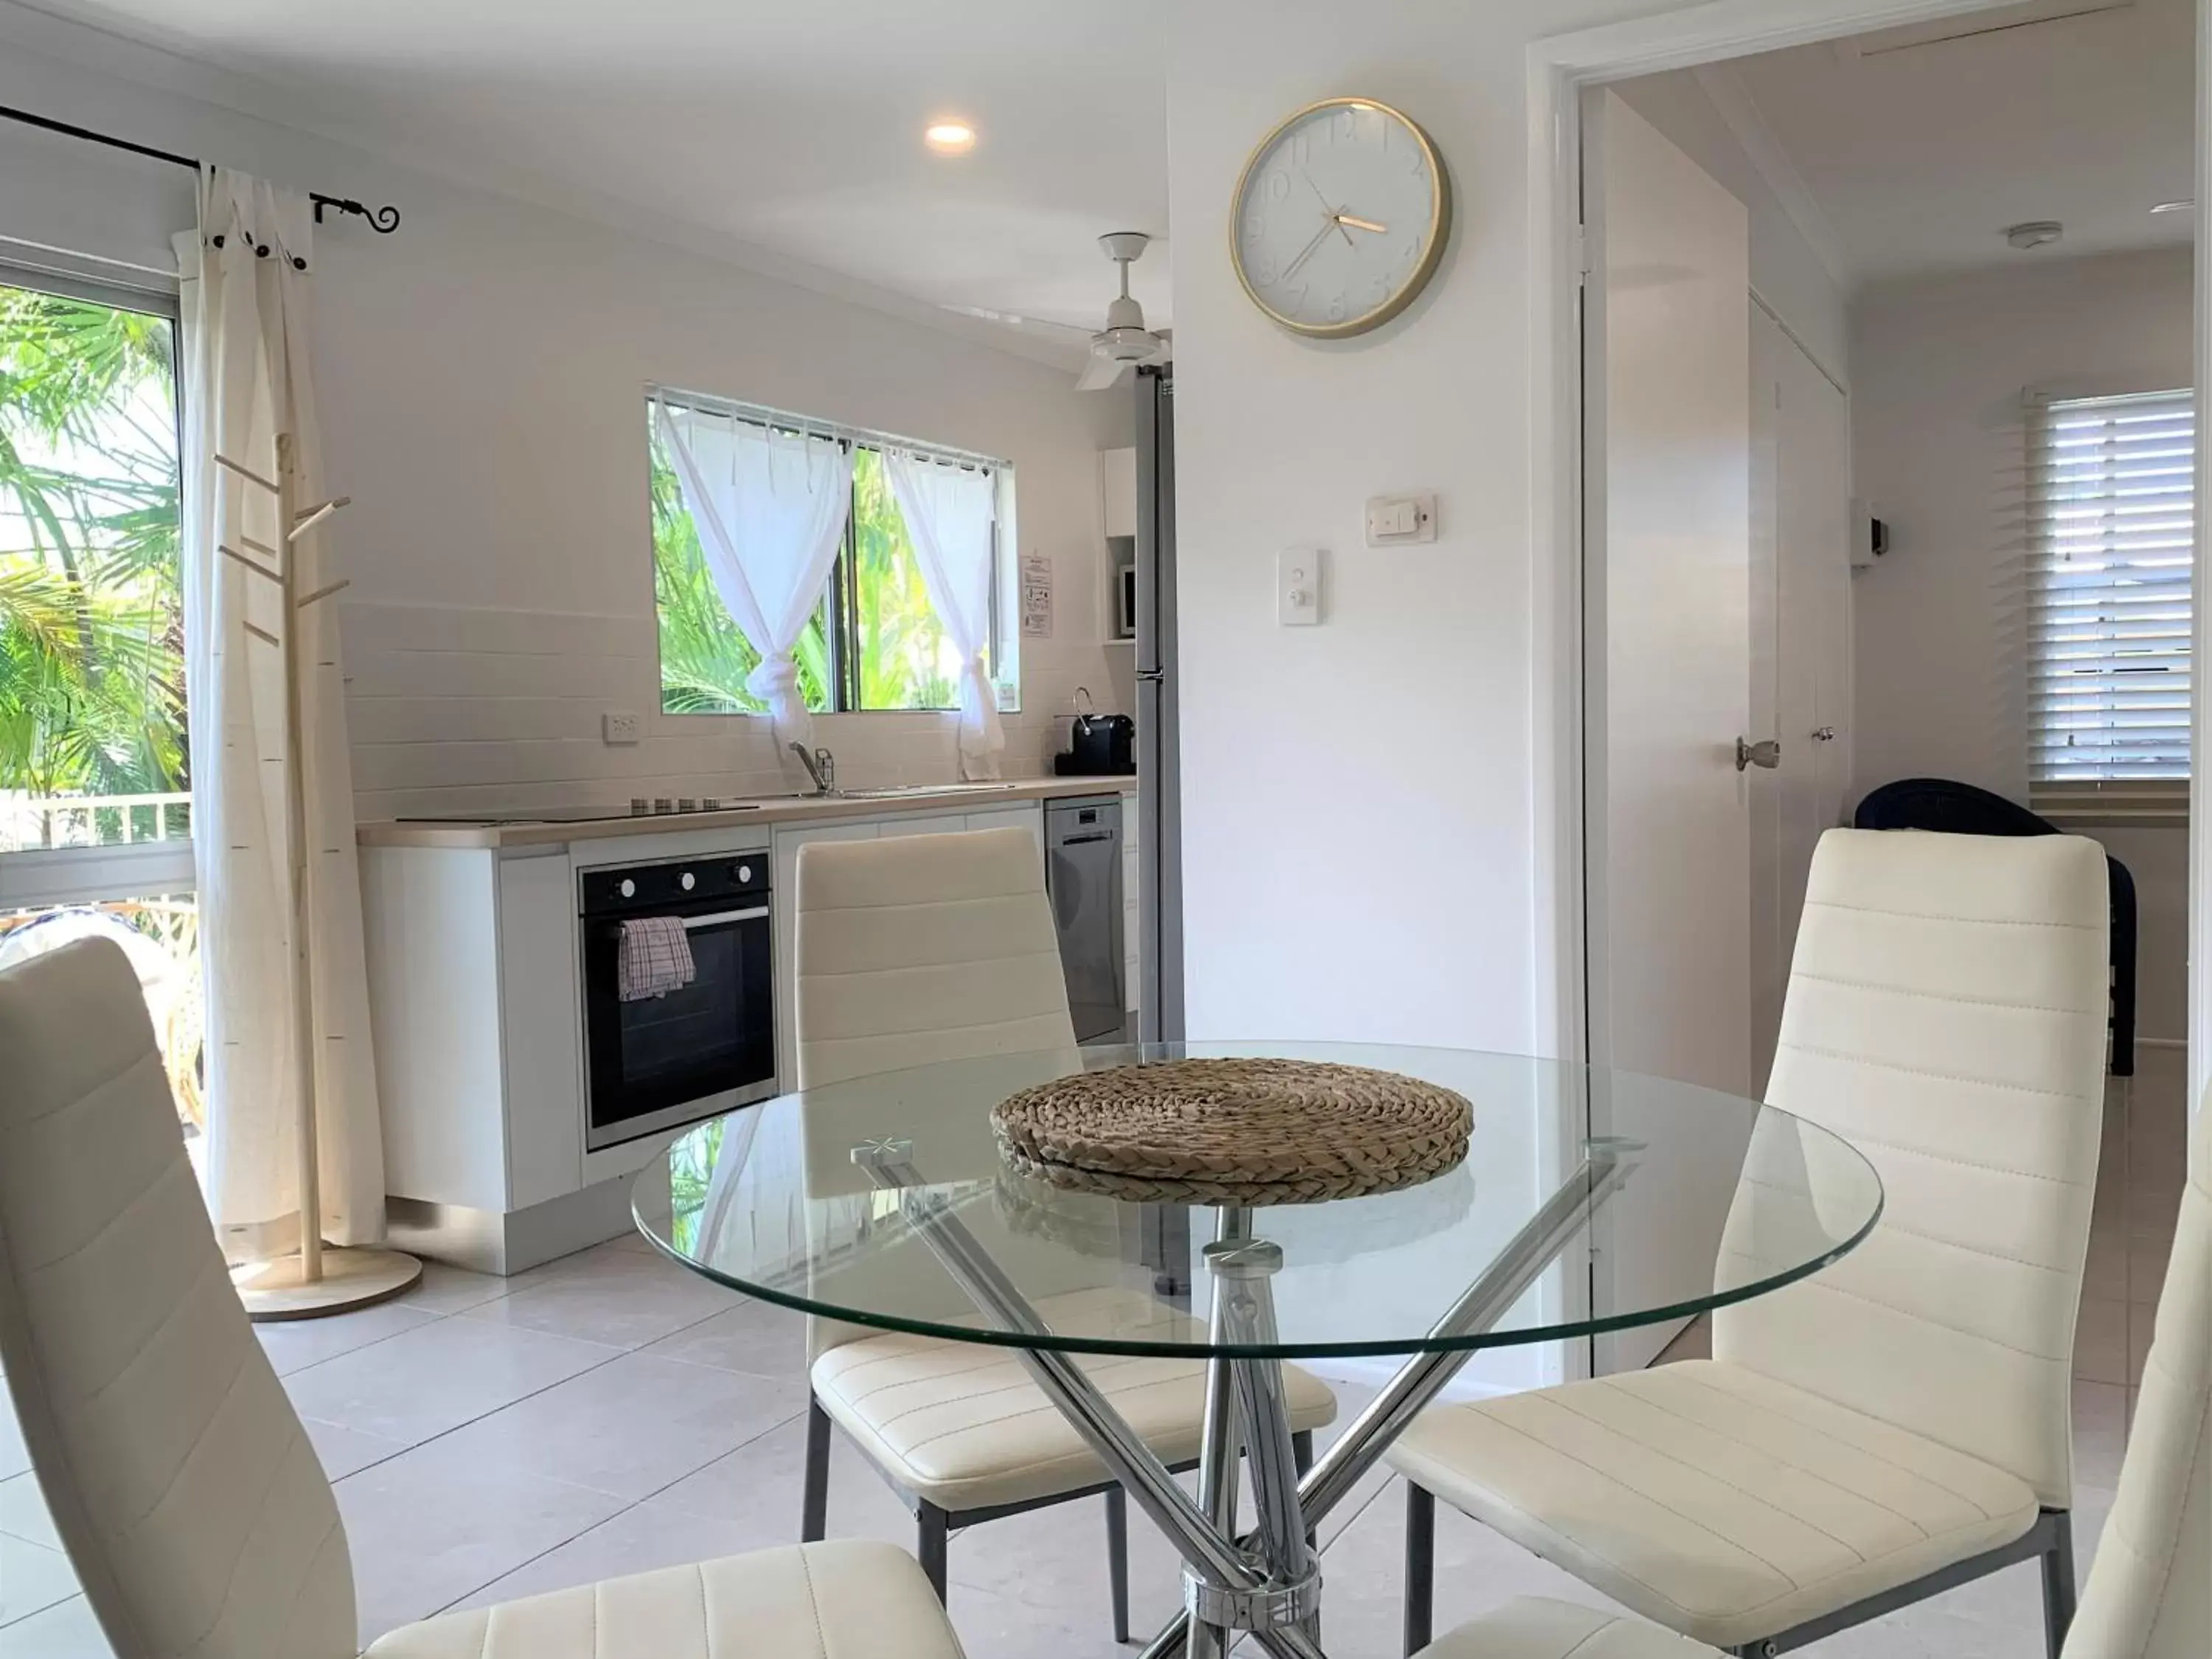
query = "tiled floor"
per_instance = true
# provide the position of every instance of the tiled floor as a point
(611, 1412)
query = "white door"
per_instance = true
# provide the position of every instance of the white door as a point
(1800, 648)
(1666, 453)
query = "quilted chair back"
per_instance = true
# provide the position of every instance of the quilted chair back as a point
(1946, 1016)
(2150, 1593)
(179, 1479)
(919, 948)
(916, 950)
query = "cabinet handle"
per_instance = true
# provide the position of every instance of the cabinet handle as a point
(1824, 734)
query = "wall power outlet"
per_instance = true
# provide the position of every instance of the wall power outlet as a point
(615, 727)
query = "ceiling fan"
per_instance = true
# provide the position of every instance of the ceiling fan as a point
(1125, 342)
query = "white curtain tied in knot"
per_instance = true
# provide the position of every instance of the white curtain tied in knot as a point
(951, 511)
(770, 509)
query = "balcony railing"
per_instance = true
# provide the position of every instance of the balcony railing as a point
(29, 821)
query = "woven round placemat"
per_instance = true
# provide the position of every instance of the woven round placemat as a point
(1251, 1131)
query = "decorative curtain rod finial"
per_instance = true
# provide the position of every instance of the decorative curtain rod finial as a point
(383, 221)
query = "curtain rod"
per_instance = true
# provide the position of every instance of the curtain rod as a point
(383, 220)
(706, 402)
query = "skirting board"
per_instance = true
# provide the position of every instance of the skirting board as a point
(515, 1240)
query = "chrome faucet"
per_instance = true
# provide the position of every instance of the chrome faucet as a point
(821, 766)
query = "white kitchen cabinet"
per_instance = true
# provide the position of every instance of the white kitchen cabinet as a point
(1117, 491)
(478, 1033)
(1027, 816)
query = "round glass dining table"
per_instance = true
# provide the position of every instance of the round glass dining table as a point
(1590, 1202)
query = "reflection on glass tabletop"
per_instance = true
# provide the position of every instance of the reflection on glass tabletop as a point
(1701, 1200)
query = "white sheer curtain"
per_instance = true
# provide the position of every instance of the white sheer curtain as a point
(246, 278)
(950, 511)
(770, 507)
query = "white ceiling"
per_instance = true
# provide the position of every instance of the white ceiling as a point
(790, 128)
(1918, 157)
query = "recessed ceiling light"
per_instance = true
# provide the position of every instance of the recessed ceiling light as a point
(2182, 206)
(949, 137)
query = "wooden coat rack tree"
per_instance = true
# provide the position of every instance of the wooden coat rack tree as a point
(317, 1279)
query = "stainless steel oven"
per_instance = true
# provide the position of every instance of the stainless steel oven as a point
(659, 1062)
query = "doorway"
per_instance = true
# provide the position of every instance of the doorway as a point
(1798, 667)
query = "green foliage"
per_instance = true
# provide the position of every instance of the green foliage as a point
(92, 694)
(904, 659)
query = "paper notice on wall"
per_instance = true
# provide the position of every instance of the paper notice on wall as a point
(1036, 595)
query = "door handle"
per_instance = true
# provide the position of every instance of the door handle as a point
(1824, 734)
(1765, 754)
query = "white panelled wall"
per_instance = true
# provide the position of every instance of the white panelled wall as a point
(1938, 368)
(482, 375)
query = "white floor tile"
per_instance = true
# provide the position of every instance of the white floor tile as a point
(429, 1526)
(2100, 1341)
(444, 1290)
(23, 1513)
(614, 1297)
(755, 1337)
(346, 1451)
(639, 1540)
(67, 1630)
(14, 1456)
(630, 1427)
(293, 1345)
(437, 1376)
(33, 1577)
(757, 1487)
(2100, 1431)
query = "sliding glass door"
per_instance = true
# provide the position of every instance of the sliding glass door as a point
(95, 804)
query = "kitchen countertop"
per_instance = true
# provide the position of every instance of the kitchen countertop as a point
(772, 810)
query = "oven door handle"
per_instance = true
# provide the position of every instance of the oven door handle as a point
(758, 913)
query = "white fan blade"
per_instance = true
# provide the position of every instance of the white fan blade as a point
(1098, 373)
(1163, 352)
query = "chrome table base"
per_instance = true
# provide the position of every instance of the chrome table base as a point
(1269, 1583)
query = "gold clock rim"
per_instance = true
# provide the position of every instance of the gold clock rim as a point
(1439, 224)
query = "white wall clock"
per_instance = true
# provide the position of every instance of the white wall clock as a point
(1339, 218)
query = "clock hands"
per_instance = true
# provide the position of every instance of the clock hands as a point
(1306, 252)
(1341, 223)
(1335, 217)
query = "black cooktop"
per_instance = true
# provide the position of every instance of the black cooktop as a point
(636, 809)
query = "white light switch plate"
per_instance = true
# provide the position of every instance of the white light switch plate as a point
(618, 728)
(1401, 521)
(1297, 586)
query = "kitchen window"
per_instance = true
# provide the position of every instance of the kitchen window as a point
(874, 640)
(2112, 542)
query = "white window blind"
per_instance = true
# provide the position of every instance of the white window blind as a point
(2112, 537)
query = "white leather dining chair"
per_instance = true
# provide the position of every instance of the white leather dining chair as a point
(919, 950)
(183, 1488)
(2149, 1591)
(1898, 1423)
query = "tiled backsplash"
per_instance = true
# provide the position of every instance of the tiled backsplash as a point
(458, 710)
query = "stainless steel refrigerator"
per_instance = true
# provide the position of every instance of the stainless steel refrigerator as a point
(1159, 775)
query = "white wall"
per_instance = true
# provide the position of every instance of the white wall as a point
(482, 377)
(1938, 367)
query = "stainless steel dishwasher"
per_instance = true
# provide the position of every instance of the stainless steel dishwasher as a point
(1083, 873)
